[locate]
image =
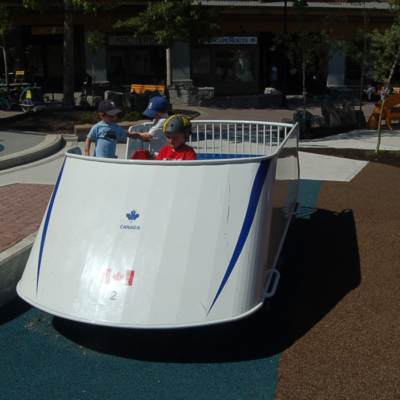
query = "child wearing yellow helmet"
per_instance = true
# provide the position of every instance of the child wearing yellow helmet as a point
(177, 129)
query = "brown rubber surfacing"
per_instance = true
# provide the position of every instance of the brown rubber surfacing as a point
(345, 333)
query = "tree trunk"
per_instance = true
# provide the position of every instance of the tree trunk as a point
(169, 66)
(3, 40)
(304, 95)
(94, 60)
(362, 80)
(363, 62)
(68, 48)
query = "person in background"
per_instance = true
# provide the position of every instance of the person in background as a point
(387, 89)
(372, 89)
(88, 83)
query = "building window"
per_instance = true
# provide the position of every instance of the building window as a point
(201, 61)
(235, 65)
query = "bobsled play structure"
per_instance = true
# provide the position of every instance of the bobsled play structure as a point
(162, 244)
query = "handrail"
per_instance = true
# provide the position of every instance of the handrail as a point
(227, 140)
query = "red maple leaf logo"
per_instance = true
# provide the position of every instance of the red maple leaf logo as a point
(118, 276)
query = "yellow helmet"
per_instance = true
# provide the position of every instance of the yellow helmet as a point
(178, 124)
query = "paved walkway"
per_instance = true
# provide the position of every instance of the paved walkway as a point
(22, 208)
(331, 331)
(14, 142)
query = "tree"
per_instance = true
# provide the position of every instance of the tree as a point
(358, 49)
(96, 41)
(307, 45)
(69, 8)
(170, 21)
(4, 27)
(386, 47)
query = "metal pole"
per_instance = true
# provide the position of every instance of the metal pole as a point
(283, 103)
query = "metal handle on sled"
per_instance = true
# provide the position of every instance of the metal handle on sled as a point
(270, 293)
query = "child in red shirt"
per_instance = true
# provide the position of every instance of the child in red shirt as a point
(177, 129)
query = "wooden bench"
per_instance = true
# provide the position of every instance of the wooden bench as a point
(141, 89)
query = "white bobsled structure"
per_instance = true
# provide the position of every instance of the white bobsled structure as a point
(161, 244)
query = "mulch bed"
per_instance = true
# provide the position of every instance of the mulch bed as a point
(383, 157)
(57, 120)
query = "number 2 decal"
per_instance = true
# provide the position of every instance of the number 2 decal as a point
(113, 295)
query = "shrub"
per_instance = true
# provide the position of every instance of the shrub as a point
(89, 118)
(132, 116)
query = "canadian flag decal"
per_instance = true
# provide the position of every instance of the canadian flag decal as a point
(118, 276)
(129, 277)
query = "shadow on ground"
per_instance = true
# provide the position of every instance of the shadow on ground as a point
(13, 310)
(319, 267)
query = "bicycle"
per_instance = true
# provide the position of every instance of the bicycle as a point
(5, 100)
(36, 80)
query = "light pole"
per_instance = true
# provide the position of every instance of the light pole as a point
(284, 103)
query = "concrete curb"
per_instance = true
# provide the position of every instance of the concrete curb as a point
(70, 141)
(50, 144)
(12, 265)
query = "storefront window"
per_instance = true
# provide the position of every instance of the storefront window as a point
(201, 61)
(235, 65)
(125, 64)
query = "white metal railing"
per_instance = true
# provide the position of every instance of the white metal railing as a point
(229, 138)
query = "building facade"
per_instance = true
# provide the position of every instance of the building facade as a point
(239, 61)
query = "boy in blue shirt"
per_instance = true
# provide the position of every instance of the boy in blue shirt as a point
(106, 132)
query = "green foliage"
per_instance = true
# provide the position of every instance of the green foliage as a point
(96, 41)
(307, 46)
(89, 118)
(372, 153)
(87, 6)
(358, 49)
(93, 7)
(172, 20)
(4, 19)
(132, 116)
(68, 9)
(386, 47)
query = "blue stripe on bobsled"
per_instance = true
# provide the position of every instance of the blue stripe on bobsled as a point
(46, 224)
(255, 194)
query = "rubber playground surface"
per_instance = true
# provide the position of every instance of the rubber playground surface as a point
(331, 331)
